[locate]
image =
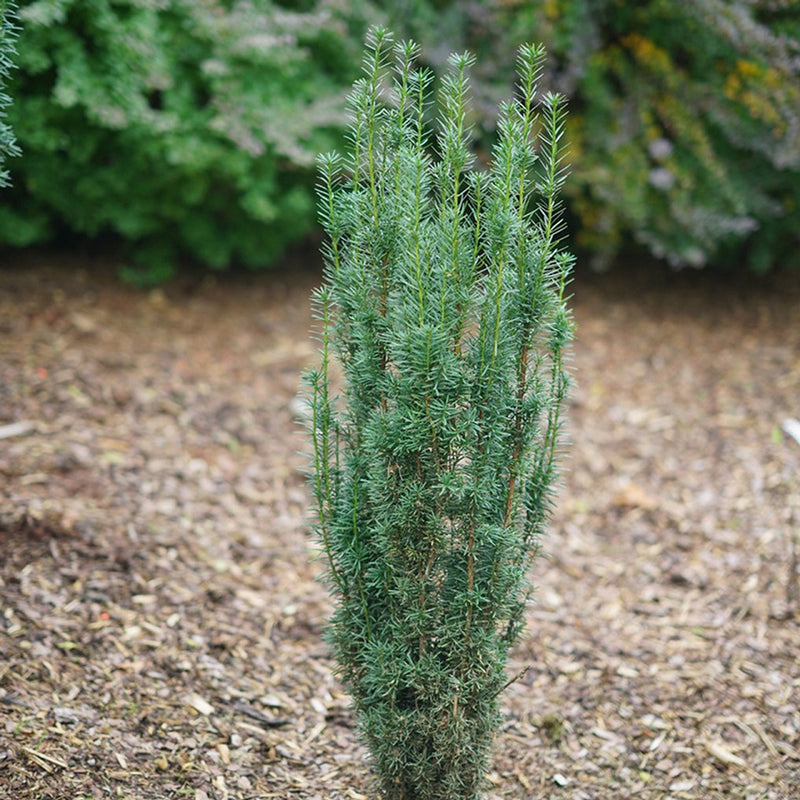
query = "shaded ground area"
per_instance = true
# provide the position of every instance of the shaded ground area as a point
(161, 619)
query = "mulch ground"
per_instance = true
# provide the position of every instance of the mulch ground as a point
(160, 609)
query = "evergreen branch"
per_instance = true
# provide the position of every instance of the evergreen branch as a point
(359, 579)
(321, 438)
(9, 31)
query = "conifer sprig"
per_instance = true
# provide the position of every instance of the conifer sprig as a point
(434, 457)
(9, 31)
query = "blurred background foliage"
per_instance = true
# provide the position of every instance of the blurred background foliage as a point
(184, 127)
(189, 127)
(684, 117)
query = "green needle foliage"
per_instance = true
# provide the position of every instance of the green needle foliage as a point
(444, 304)
(8, 35)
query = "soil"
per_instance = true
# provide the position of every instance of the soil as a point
(162, 614)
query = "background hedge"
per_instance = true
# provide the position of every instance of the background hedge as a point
(191, 126)
(181, 126)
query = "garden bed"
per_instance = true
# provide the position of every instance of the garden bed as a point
(162, 617)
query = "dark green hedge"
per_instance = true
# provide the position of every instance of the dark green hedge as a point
(183, 126)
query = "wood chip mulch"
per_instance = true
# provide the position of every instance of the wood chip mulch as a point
(161, 616)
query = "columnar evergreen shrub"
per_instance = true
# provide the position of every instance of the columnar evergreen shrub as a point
(444, 304)
(184, 126)
(8, 33)
(685, 128)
